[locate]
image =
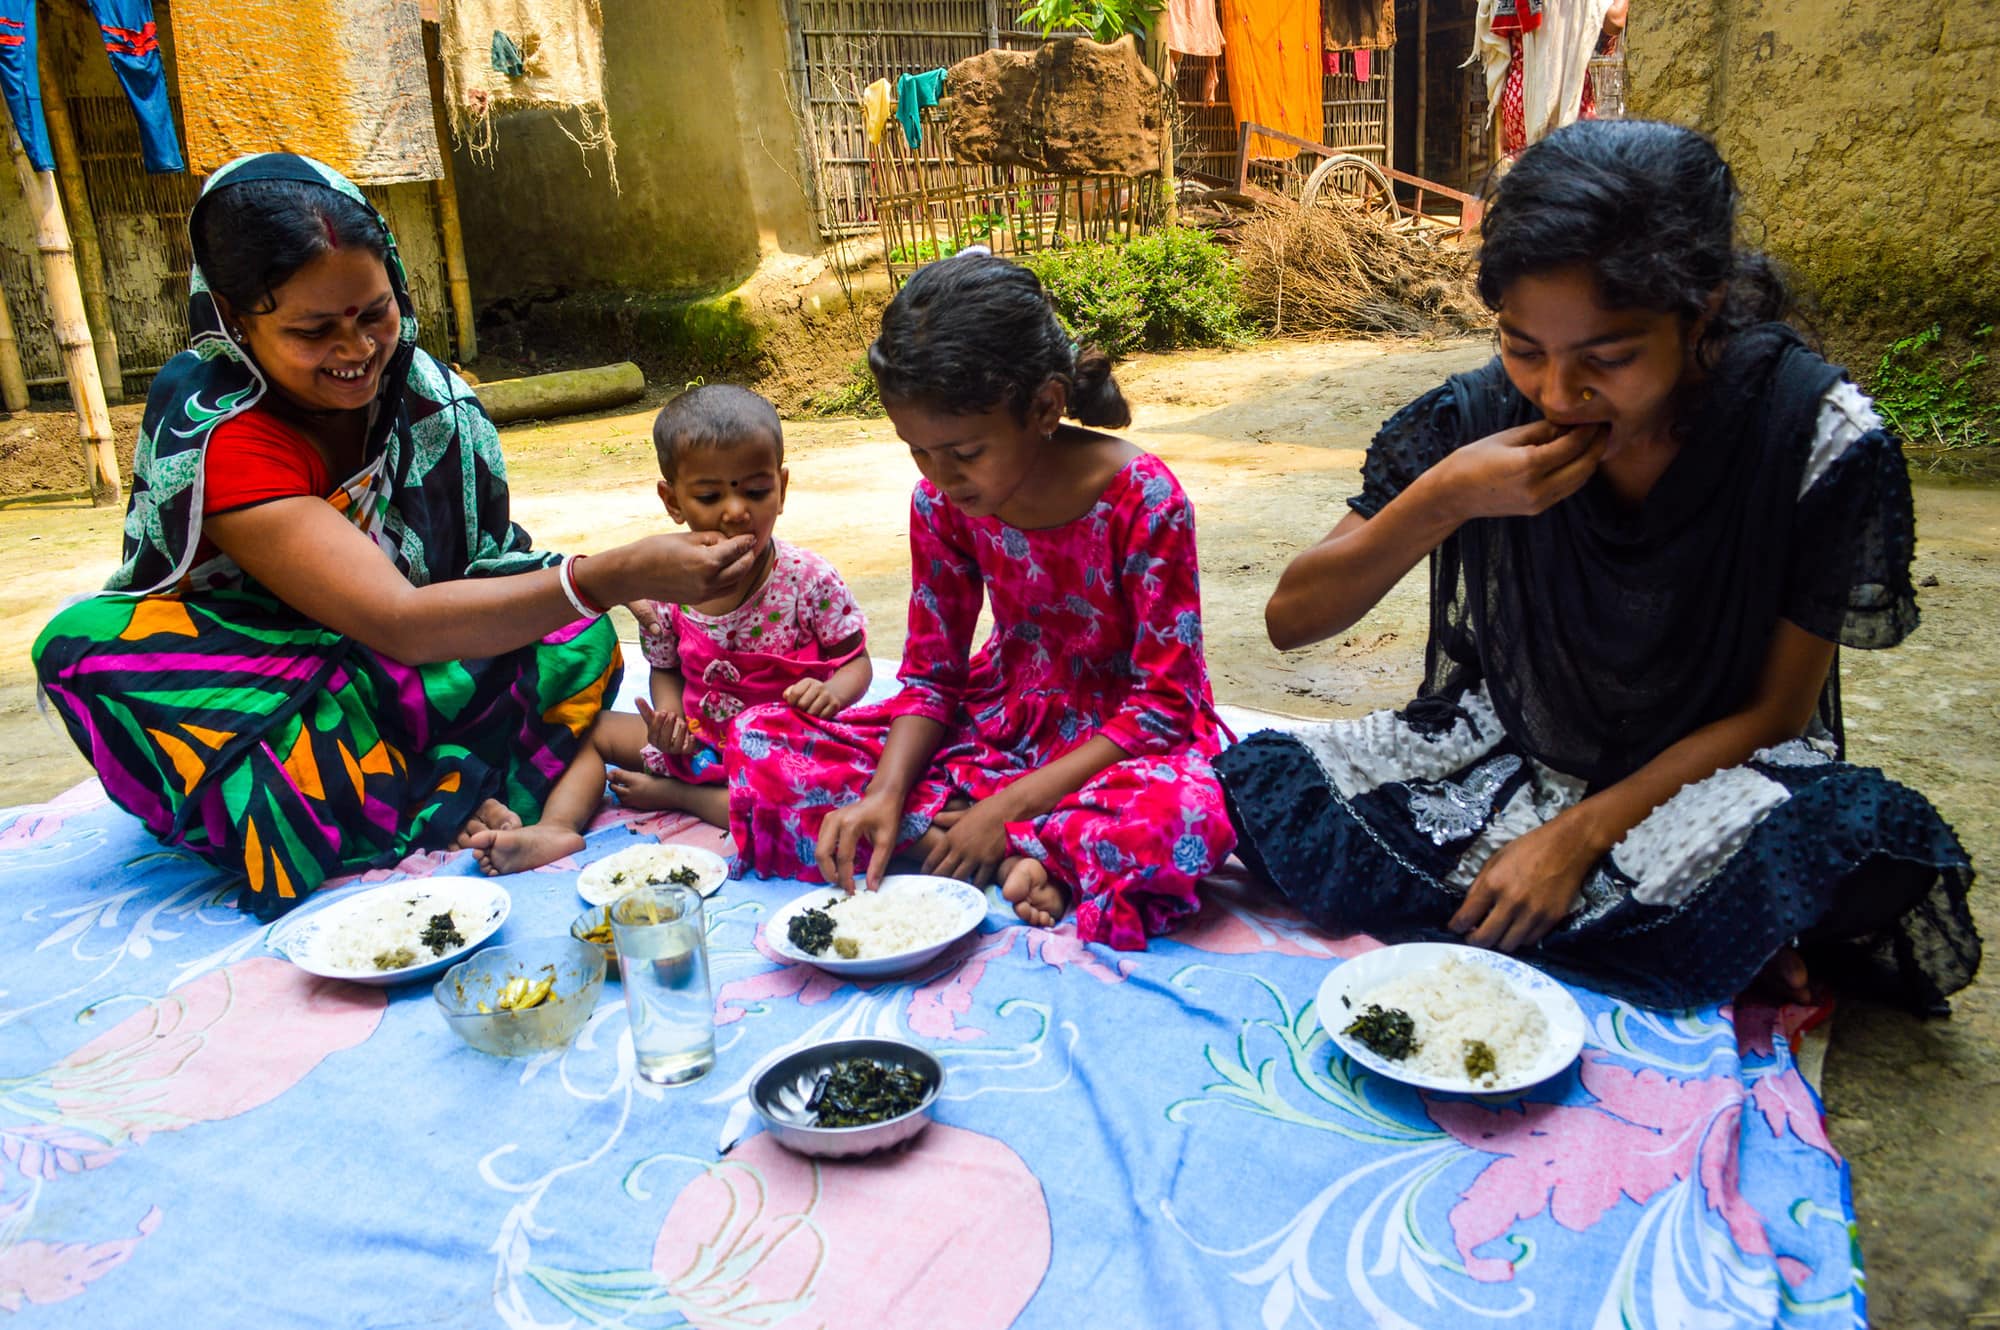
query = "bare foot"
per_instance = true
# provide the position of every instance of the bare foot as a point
(1039, 899)
(643, 790)
(491, 816)
(518, 849)
(1784, 978)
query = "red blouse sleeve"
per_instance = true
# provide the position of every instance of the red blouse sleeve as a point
(255, 457)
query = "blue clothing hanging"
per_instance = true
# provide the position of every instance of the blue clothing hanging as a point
(913, 93)
(21, 84)
(133, 42)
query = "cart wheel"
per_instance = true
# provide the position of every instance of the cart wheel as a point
(1348, 181)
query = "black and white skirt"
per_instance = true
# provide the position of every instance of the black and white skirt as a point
(1375, 825)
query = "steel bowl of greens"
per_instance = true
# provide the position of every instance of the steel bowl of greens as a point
(522, 998)
(847, 1097)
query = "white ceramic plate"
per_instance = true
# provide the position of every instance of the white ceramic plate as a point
(968, 900)
(605, 880)
(1355, 979)
(323, 940)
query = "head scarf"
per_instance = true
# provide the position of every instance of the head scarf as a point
(442, 485)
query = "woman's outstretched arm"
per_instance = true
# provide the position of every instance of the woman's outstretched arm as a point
(312, 558)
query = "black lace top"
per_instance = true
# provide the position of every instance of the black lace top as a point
(1606, 633)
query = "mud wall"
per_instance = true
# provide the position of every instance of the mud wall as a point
(1866, 138)
(708, 157)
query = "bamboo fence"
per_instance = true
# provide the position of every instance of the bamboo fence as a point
(930, 205)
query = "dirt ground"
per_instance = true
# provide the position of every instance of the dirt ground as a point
(1268, 442)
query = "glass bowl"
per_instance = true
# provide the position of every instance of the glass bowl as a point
(578, 968)
(597, 917)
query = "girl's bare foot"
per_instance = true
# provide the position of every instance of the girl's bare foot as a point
(491, 816)
(1038, 898)
(518, 849)
(645, 791)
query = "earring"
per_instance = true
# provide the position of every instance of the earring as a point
(237, 333)
(1589, 394)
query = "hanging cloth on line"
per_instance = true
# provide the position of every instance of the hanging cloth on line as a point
(20, 83)
(914, 92)
(1276, 69)
(132, 41)
(1189, 27)
(878, 103)
(1368, 25)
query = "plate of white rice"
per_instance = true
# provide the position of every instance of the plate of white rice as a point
(1479, 1021)
(393, 933)
(904, 923)
(605, 880)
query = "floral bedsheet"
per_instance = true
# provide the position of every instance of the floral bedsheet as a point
(191, 1126)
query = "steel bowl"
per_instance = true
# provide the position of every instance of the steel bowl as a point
(552, 1023)
(779, 1094)
(597, 916)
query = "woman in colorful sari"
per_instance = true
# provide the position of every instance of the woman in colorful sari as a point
(328, 645)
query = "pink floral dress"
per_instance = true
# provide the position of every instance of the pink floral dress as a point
(786, 631)
(1096, 630)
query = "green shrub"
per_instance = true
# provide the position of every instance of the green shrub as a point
(1929, 401)
(1173, 287)
(1193, 295)
(1098, 292)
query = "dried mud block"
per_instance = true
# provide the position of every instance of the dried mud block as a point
(1072, 107)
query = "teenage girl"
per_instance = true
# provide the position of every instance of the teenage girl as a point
(1652, 521)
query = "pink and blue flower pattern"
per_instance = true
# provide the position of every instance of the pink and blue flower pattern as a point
(189, 1123)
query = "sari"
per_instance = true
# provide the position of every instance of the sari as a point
(240, 730)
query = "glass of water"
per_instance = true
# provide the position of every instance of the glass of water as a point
(663, 960)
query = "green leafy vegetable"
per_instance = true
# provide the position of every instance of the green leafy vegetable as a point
(810, 931)
(858, 1091)
(1389, 1032)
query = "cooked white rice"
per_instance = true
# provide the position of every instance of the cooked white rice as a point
(392, 922)
(1455, 1003)
(890, 922)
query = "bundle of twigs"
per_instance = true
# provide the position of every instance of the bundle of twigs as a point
(1333, 269)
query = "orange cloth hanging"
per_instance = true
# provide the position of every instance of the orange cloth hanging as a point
(1273, 50)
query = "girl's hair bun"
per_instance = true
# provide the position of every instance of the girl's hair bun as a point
(1094, 397)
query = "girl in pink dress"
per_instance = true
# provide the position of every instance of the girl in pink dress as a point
(1067, 758)
(793, 637)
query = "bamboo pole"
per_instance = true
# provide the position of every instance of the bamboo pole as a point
(83, 226)
(13, 383)
(458, 278)
(72, 328)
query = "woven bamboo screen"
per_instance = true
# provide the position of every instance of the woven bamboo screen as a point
(930, 205)
(841, 46)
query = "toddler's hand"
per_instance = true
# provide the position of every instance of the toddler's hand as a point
(814, 698)
(668, 732)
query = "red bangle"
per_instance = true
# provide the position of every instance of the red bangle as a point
(576, 585)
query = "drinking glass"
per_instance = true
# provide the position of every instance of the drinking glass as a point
(663, 960)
